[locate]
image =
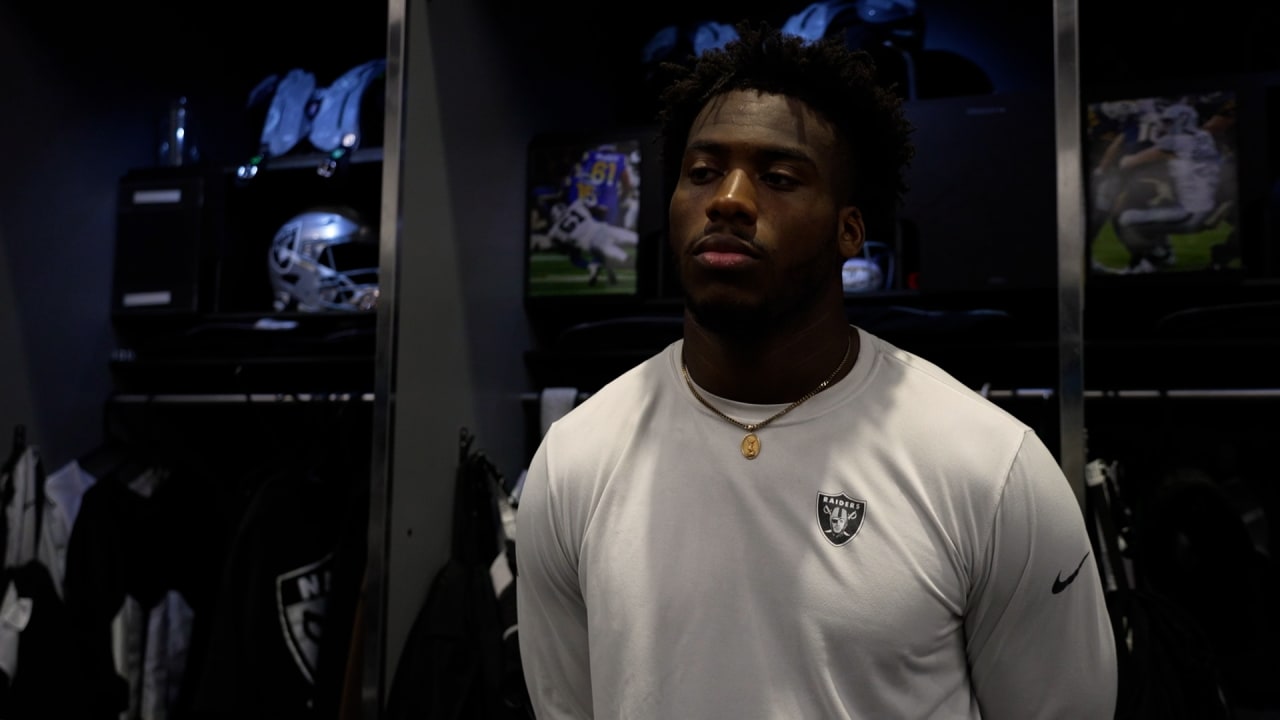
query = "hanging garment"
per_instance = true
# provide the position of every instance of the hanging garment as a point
(285, 603)
(35, 616)
(22, 485)
(1190, 527)
(457, 663)
(164, 656)
(104, 561)
(140, 535)
(1166, 665)
(64, 489)
(34, 635)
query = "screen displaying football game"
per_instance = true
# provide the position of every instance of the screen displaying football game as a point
(584, 217)
(1162, 191)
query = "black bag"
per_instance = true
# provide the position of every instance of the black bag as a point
(1166, 665)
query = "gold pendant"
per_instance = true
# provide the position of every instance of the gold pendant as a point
(750, 446)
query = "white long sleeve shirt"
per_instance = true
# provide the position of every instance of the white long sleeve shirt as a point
(901, 548)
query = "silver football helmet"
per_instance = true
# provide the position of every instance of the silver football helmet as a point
(324, 259)
(871, 271)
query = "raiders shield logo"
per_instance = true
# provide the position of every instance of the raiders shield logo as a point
(840, 517)
(301, 596)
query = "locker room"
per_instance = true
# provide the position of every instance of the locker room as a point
(256, 471)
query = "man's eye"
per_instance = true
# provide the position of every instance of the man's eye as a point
(779, 180)
(701, 174)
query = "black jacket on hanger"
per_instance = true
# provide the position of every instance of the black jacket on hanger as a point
(455, 665)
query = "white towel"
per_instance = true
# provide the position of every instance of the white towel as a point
(556, 401)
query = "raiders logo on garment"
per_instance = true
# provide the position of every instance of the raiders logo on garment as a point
(301, 596)
(840, 517)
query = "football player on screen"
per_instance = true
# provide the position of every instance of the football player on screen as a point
(1117, 129)
(608, 176)
(579, 229)
(1193, 162)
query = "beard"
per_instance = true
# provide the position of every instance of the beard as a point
(803, 289)
(730, 319)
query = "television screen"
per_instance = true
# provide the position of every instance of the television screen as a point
(585, 227)
(1161, 182)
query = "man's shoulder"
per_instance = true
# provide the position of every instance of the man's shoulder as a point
(914, 366)
(944, 392)
(623, 396)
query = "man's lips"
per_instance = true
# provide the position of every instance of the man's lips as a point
(722, 250)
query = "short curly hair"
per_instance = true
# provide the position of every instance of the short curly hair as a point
(837, 82)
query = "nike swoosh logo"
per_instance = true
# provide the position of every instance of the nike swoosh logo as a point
(1059, 584)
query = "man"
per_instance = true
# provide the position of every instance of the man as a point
(606, 176)
(1193, 163)
(780, 515)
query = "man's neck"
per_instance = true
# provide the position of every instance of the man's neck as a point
(771, 367)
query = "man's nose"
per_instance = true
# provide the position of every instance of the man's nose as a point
(734, 201)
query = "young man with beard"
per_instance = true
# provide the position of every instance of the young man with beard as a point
(781, 515)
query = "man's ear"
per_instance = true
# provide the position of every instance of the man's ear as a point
(852, 232)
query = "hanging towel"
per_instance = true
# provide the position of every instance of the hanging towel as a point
(556, 402)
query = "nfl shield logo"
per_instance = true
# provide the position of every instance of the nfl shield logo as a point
(301, 598)
(840, 517)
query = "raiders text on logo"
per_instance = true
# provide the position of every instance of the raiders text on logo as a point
(840, 517)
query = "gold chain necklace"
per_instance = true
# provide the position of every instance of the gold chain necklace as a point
(751, 442)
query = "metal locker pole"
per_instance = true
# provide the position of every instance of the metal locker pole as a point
(1071, 251)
